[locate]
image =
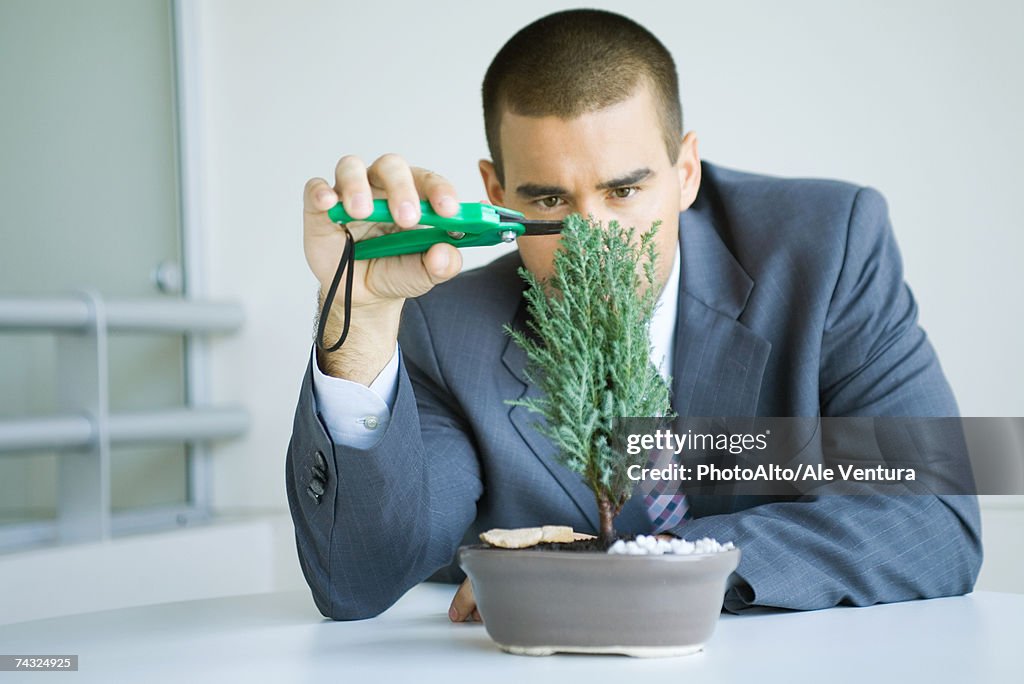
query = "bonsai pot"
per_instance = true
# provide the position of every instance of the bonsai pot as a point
(537, 602)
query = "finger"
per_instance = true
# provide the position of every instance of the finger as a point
(392, 174)
(353, 186)
(412, 275)
(437, 189)
(476, 615)
(463, 604)
(318, 197)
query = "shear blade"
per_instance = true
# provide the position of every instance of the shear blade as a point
(530, 227)
(542, 227)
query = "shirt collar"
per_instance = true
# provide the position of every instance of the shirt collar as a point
(663, 323)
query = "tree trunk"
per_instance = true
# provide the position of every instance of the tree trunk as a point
(607, 513)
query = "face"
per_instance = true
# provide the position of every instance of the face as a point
(611, 164)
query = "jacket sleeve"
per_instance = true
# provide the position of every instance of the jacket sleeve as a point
(826, 550)
(393, 514)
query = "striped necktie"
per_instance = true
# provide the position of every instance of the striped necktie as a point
(665, 501)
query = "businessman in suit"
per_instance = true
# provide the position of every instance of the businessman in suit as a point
(778, 298)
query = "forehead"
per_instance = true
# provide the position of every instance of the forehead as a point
(623, 136)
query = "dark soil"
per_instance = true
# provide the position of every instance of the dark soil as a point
(582, 545)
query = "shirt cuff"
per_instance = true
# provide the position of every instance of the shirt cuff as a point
(356, 415)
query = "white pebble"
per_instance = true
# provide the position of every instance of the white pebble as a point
(645, 544)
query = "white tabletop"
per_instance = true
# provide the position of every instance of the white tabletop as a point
(282, 638)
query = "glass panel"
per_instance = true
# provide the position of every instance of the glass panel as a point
(146, 373)
(89, 192)
(28, 481)
(28, 487)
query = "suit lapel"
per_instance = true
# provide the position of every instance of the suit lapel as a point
(515, 362)
(719, 363)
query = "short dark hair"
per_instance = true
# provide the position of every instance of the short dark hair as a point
(578, 61)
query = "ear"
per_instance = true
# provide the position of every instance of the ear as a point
(495, 193)
(688, 167)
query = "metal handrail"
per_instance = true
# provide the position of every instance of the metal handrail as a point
(84, 430)
(44, 433)
(157, 315)
(71, 432)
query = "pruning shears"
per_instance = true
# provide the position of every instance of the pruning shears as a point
(474, 225)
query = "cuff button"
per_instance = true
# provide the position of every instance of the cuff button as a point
(314, 495)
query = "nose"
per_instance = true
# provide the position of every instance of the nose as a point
(593, 207)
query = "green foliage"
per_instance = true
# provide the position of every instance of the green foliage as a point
(591, 351)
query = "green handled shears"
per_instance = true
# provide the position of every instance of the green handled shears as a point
(474, 225)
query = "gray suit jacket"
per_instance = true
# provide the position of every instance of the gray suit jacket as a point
(791, 303)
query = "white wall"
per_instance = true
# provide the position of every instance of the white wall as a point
(920, 100)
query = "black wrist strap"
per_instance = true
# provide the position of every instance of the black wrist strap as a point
(345, 265)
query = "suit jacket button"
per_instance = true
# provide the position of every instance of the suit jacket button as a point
(317, 487)
(318, 473)
(321, 462)
(314, 495)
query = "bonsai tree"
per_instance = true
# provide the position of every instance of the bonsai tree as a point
(591, 353)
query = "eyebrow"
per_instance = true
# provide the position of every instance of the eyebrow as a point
(631, 178)
(535, 190)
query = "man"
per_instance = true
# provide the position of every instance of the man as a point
(779, 298)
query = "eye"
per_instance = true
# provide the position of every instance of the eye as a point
(626, 192)
(550, 202)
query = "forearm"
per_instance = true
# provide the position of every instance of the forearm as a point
(849, 550)
(388, 517)
(368, 347)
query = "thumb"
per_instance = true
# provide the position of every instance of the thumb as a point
(442, 262)
(463, 604)
(411, 275)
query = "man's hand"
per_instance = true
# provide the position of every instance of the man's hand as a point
(463, 608)
(380, 285)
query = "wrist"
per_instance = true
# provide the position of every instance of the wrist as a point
(370, 345)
